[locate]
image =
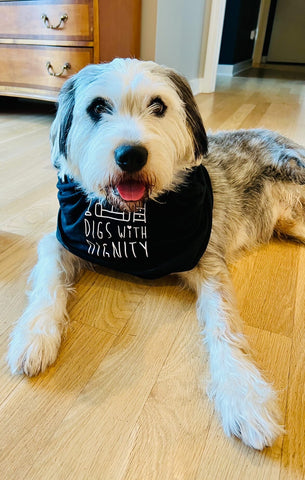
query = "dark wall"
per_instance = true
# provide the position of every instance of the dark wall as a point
(240, 18)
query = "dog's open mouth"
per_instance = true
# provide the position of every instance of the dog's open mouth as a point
(130, 191)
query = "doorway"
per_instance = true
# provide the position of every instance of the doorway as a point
(281, 33)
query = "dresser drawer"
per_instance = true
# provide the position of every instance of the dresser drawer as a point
(23, 19)
(26, 66)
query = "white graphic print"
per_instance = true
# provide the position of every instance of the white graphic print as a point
(113, 234)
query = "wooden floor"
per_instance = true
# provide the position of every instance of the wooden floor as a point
(125, 400)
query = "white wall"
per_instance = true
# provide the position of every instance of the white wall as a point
(179, 35)
(184, 35)
(287, 42)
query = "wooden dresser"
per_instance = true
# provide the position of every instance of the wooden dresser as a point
(42, 43)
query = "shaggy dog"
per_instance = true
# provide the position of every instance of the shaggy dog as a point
(142, 189)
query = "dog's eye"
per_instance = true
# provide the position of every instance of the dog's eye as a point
(98, 107)
(157, 107)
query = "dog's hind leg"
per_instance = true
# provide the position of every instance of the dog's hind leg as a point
(244, 401)
(37, 335)
(287, 171)
(290, 211)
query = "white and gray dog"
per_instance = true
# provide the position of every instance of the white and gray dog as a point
(142, 189)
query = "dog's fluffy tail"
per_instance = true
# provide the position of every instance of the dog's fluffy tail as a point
(258, 154)
(288, 159)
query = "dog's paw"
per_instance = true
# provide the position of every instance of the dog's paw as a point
(32, 352)
(248, 410)
(254, 421)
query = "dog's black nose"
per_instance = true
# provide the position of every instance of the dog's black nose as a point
(131, 158)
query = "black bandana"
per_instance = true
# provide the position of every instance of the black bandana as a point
(163, 237)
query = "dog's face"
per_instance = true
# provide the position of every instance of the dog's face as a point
(127, 130)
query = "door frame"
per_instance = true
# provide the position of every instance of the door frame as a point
(210, 47)
(261, 32)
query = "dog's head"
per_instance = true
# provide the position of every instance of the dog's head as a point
(127, 130)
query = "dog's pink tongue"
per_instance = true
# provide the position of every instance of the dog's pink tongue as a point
(131, 191)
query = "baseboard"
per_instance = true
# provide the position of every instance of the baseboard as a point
(202, 85)
(231, 70)
(205, 84)
(225, 70)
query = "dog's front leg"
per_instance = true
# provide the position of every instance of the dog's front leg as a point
(37, 336)
(244, 401)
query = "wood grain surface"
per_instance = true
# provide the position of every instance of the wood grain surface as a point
(126, 398)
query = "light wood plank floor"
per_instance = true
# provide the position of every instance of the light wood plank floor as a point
(125, 400)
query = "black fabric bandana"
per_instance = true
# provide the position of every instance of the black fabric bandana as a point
(163, 237)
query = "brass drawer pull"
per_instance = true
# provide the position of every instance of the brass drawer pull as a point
(46, 21)
(51, 72)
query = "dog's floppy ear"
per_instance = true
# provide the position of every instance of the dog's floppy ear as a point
(62, 123)
(193, 118)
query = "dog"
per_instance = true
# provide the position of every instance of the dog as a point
(143, 189)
